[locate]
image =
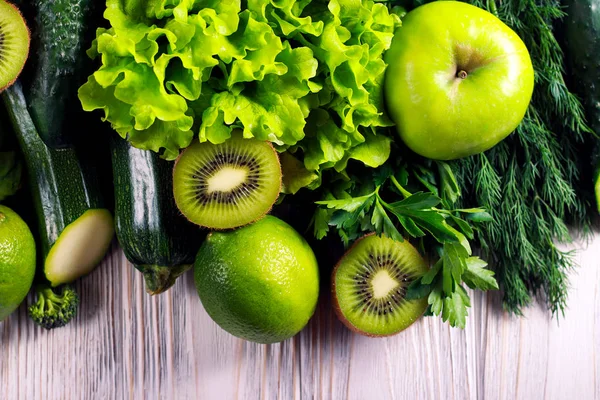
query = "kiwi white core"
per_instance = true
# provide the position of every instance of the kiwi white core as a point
(383, 284)
(227, 179)
(80, 247)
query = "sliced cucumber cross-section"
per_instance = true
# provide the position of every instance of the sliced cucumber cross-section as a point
(80, 247)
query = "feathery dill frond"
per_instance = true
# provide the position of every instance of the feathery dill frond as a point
(529, 182)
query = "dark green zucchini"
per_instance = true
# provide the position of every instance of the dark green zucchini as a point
(75, 228)
(62, 31)
(582, 50)
(155, 237)
(10, 160)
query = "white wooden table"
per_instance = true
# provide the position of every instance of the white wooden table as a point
(126, 344)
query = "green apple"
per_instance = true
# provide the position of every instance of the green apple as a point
(458, 82)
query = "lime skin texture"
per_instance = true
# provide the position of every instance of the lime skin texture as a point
(259, 282)
(17, 261)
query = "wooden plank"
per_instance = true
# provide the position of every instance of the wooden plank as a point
(126, 344)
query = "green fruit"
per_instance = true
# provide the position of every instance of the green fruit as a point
(17, 261)
(369, 285)
(260, 282)
(459, 80)
(227, 185)
(14, 44)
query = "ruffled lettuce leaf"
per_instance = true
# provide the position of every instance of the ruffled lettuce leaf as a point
(291, 17)
(139, 108)
(295, 174)
(329, 146)
(302, 74)
(348, 110)
(373, 152)
(269, 109)
(153, 75)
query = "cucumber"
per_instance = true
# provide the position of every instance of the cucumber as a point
(582, 49)
(62, 31)
(155, 237)
(75, 228)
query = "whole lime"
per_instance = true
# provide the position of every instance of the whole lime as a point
(259, 282)
(17, 261)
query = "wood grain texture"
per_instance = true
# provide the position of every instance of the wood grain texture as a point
(128, 345)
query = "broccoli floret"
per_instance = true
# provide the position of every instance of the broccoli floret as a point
(54, 308)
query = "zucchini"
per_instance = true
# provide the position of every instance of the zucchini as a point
(62, 31)
(155, 237)
(582, 48)
(75, 228)
(10, 161)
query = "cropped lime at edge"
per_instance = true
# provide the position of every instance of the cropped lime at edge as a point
(17, 261)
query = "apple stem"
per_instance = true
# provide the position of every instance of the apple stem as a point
(462, 74)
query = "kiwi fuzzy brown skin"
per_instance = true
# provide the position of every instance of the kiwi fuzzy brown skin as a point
(336, 304)
(10, 83)
(256, 219)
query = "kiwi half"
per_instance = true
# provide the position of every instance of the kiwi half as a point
(14, 44)
(223, 186)
(369, 284)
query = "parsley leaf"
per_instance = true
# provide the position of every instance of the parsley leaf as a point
(448, 297)
(417, 290)
(419, 201)
(448, 185)
(423, 208)
(476, 276)
(480, 217)
(463, 226)
(436, 301)
(416, 213)
(349, 204)
(410, 226)
(430, 276)
(429, 220)
(455, 310)
(455, 259)
(321, 226)
(383, 223)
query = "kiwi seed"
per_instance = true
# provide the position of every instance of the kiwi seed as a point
(223, 186)
(14, 44)
(369, 285)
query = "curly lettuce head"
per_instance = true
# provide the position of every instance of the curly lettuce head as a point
(303, 75)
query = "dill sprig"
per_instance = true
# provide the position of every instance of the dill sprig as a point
(531, 182)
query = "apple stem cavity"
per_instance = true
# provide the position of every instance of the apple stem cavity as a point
(462, 74)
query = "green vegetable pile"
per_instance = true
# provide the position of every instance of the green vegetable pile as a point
(303, 81)
(306, 76)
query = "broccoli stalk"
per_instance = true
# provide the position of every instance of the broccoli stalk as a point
(54, 308)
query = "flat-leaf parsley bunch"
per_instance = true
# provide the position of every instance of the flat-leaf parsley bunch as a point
(413, 200)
